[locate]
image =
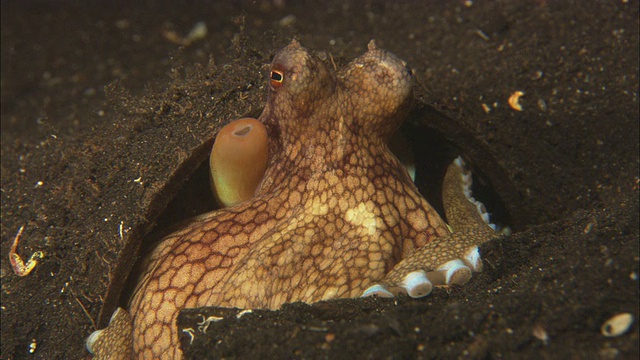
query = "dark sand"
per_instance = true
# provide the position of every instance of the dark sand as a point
(83, 162)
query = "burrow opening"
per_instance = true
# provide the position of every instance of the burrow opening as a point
(433, 145)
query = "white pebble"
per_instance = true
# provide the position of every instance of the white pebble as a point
(617, 325)
(198, 32)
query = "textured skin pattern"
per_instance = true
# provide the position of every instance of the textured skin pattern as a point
(114, 342)
(334, 214)
(470, 230)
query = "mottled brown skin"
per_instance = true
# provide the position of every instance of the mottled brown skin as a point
(115, 341)
(334, 214)
(470, 230)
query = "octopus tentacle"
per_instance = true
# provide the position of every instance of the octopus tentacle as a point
(115, 341)
(446, 260)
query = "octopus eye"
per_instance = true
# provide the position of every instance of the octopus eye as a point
(277, 77)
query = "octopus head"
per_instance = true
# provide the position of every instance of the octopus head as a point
(380, 85)
(298, 82)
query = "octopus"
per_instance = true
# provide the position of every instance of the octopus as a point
(317, 208)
